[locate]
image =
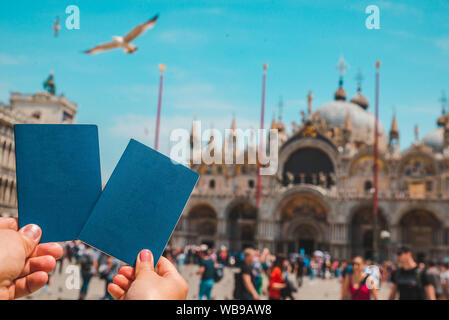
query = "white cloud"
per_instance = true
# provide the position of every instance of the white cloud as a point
(443, 43)
(400, 8)
(200, 96)
(181, 36)
(9, 60)
(142, 127)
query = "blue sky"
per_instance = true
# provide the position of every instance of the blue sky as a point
(214, 51)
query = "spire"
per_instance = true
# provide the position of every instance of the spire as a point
(212, 137)
(309, 104)
(394, 131)
(211, 144)
(280, 107)
(394, 125)
(233, 125)
(359, 79)
(193, 133)
(342, 66)
(273, 121)
(359, 98)
(443, 101)
(348, 126)
(442, 120)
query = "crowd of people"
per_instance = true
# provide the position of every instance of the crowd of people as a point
(28, 266)
(92, 263)
(278, 276)
(281, 275)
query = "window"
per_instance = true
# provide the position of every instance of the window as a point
(212, 184)
(368, 185)
(66, 116)
(36, 115)
(251, 183)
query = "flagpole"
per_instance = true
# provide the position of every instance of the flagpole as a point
(159, 105)
(376, 172)
(261, 138)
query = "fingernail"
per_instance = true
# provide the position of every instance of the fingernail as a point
(32, 231)
(145, 256)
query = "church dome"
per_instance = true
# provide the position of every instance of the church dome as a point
(340, 94)
(434, 139)
(360, 100)
(362, 121)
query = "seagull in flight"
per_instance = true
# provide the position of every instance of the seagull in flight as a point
(56, 27)
(125, 42)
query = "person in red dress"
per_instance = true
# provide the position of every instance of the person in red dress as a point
(277, 282)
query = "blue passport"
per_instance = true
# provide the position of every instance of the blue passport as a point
(140, 205)
(58, 177)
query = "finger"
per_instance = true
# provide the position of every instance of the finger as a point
(29, 284)
(48, 249)
(9, 223)
(165, 268)
(122, 281)
(115, 291)
(144, 263)
(42, 263)
(127, 271)
(31, 234)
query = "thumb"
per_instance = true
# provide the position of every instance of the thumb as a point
(144, 264)
(31, 234)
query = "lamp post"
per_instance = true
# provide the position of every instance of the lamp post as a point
(261, 138)
(159, 105)
(376, 171)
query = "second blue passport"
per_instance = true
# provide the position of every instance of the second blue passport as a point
(140, 205)
(58, 177)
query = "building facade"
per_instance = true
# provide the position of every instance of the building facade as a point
(322, 195)
(42, 107)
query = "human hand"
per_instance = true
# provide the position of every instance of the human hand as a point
(148, 283)
(24, 264)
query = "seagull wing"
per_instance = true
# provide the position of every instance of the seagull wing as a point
(102, 47)
(137, 31)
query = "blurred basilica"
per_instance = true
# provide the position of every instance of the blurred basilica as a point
(322, 195)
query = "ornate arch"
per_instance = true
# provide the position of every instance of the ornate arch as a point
(201, 222)
(418, 153)
(356, 209)
(307, 142)
(364, 155)
(239, 201)
(289, 230)
(317, 192)
(418, 207)
(199, 203)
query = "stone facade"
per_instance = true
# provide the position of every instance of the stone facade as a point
(322, 195)
(42, 107)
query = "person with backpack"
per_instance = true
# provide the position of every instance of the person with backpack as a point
(88, 264)
(359, 285)
(299, 269)
(245, 288)
(207, 272)
(433, 274)
(411, 282)
(444, 279)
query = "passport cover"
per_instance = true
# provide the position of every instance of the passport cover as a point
(58, 177)
(140, 205)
